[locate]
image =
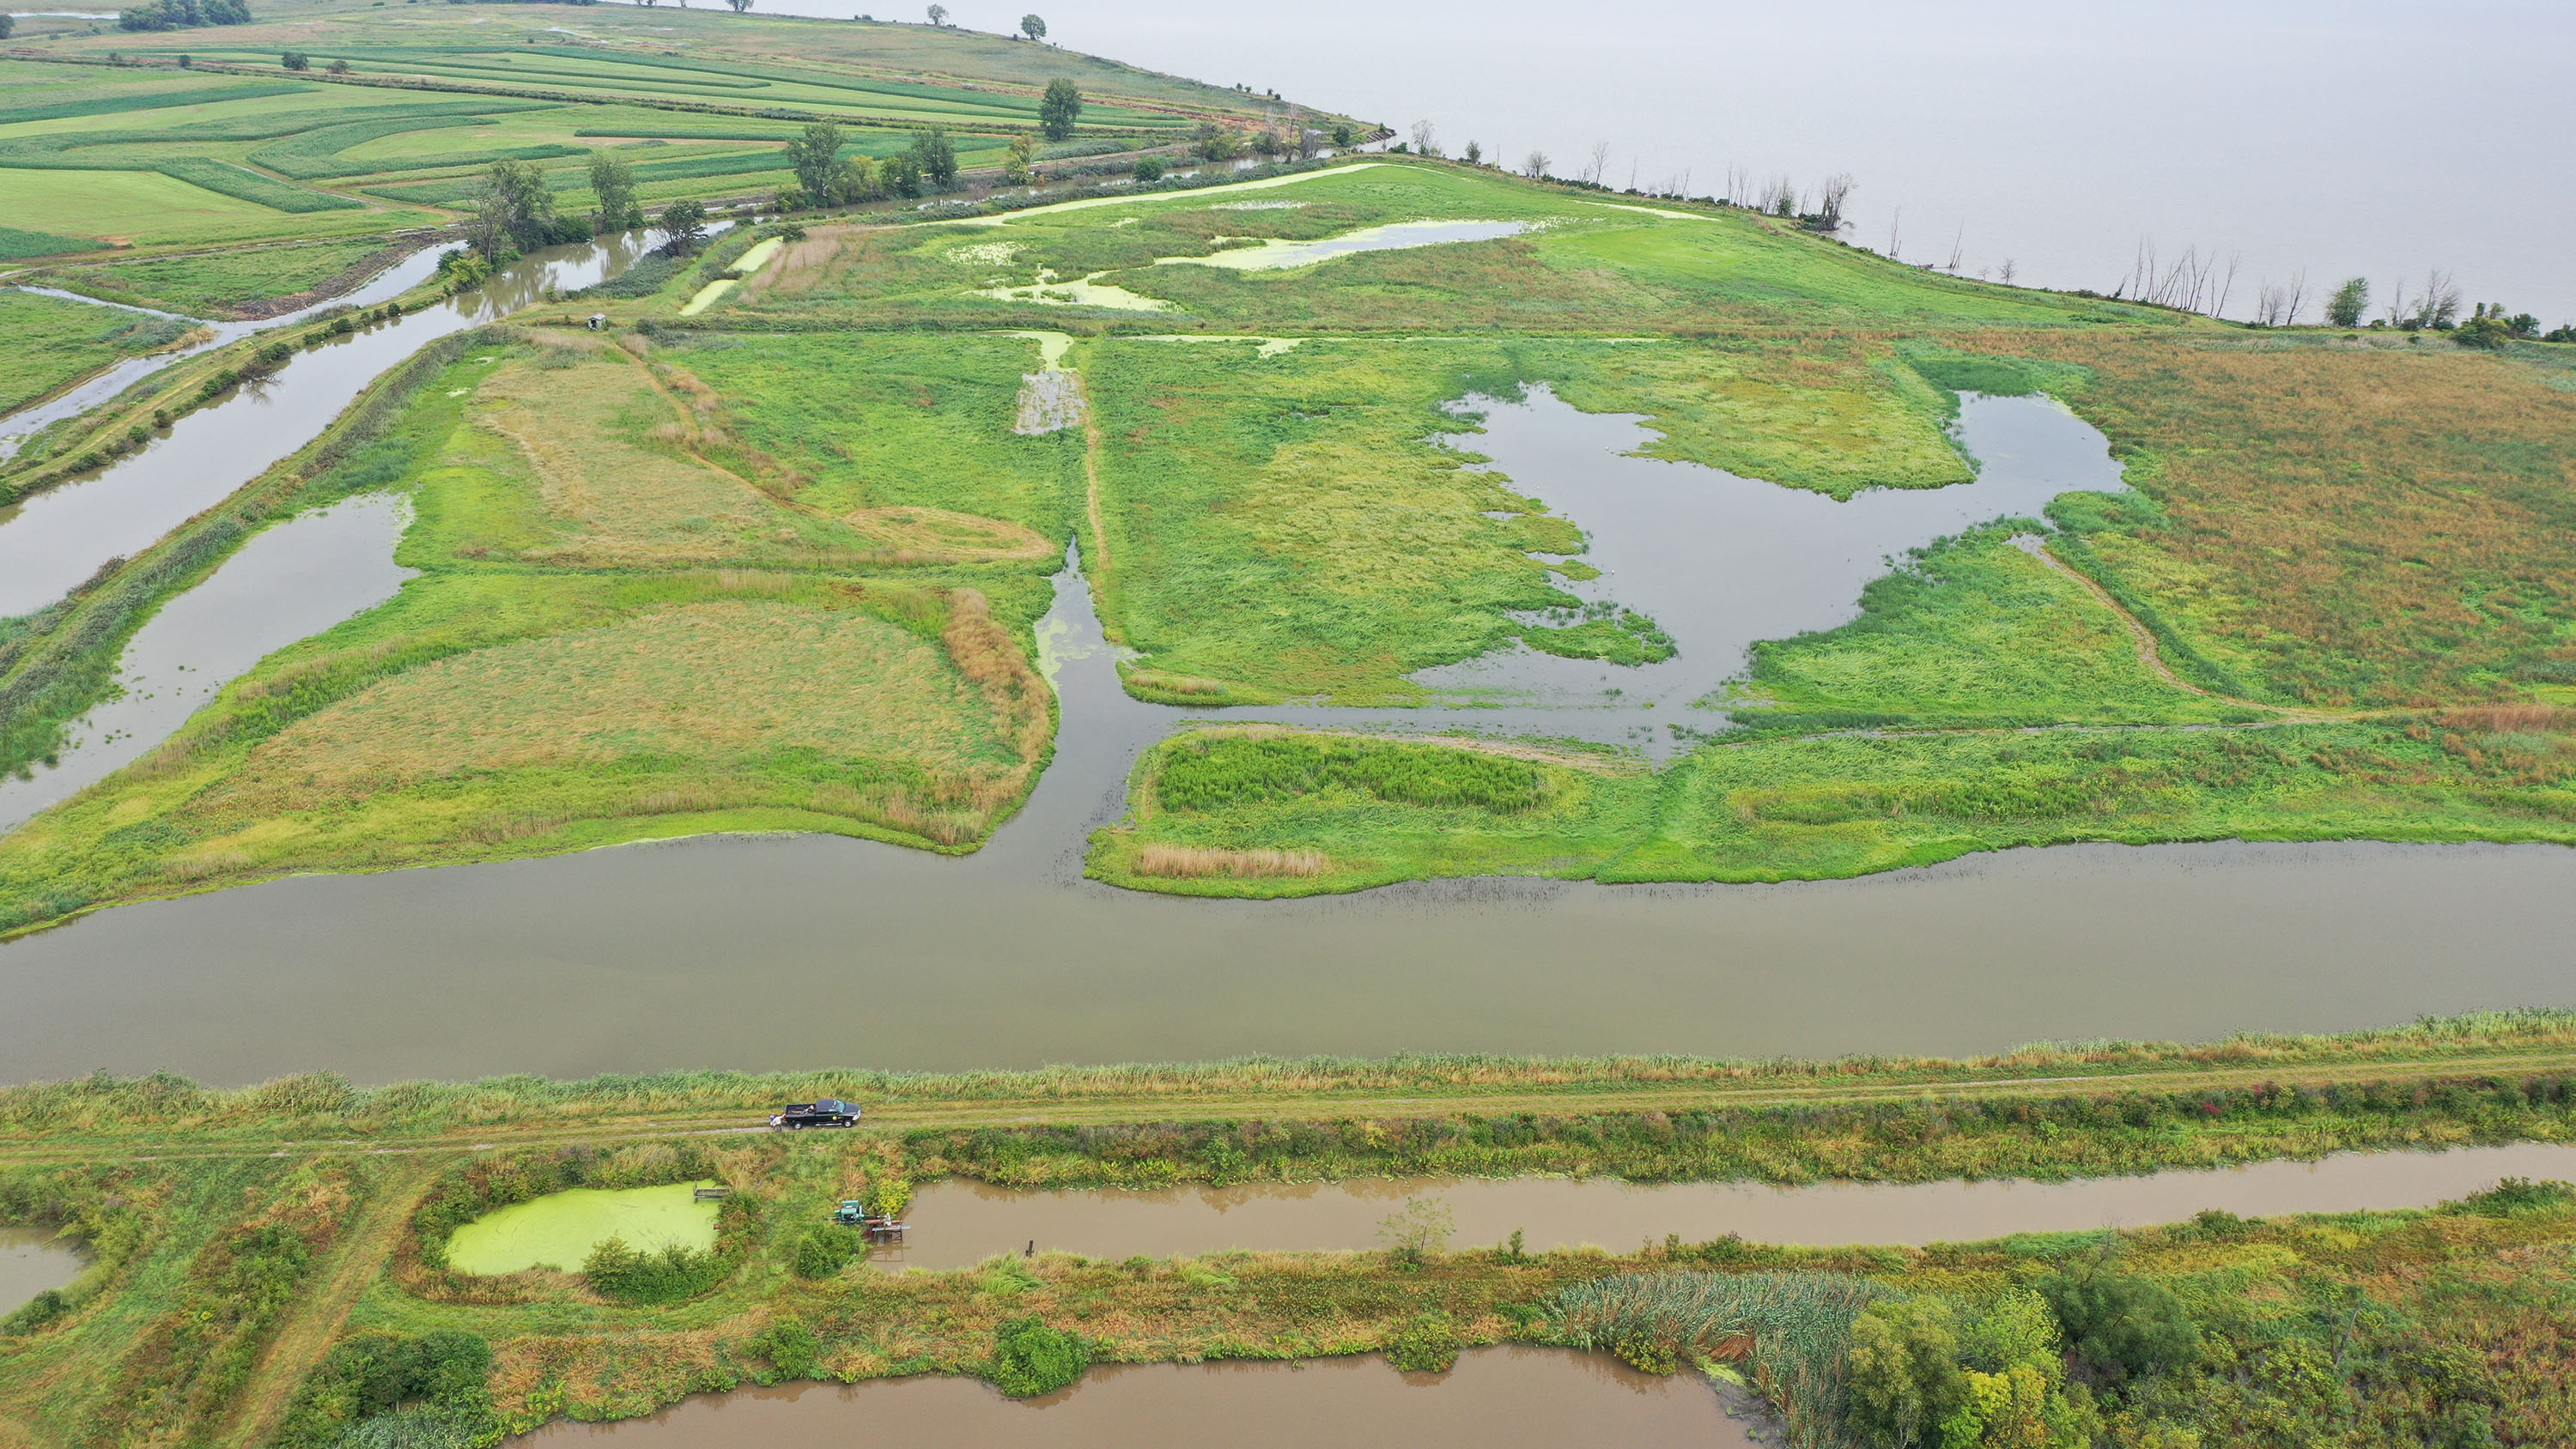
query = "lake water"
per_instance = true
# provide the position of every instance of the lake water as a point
(1496, 1398)
(956, 1223)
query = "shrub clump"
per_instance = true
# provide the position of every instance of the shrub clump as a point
(619, 1271)
(1426, 1344)
(825, 1250)
(381, 1390)
(1216, 772)
(1030, 1358)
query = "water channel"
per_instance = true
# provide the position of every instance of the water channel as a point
(55, 539)
(33, 1260)
(687, 953)
(956, 1222)
(1510, 1397)
(392, 282)
(290, 582)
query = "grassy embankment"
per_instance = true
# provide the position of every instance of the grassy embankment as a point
(54, 344)
(632, 621)
(225, 1276)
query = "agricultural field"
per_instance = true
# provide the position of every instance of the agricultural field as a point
(226, 185)
(309, 1294)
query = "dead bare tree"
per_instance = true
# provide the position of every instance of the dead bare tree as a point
(2439, 305)
(1957, 240)
(1780, 197)
(2010, 267)
(1425, 138)
(1829, 201)
(1534, 165)
(2227, 284)
(1739, 186)
(1600, 162)
(1632, 175)
(1895, 233)
(2397, 302)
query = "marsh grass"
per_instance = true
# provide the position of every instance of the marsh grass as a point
(1199, 862)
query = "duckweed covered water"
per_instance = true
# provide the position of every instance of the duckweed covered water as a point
(559, 1229)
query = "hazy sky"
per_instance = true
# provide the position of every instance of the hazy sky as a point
(2355, 137)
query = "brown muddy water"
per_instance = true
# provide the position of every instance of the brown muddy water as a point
(52, 541)
(1496, 1398)
(957, 1223)
(33, 1260)
(782, 952)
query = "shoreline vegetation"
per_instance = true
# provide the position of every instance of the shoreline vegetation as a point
(274, 1258)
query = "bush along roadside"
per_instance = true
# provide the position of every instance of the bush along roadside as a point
(62, 659)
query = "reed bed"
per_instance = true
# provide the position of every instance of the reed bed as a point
(1196, 862)
(1792, 1327)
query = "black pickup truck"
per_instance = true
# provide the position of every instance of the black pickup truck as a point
(829, 1112)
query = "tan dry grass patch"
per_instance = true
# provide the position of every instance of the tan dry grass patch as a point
(716, 681)
(942, 532)
(801, 264)
(1198, 862)
(617, 502)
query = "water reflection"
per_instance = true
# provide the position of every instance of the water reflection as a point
(1496, 1398)
(957, 1223)
(291, 582)
(52, 541)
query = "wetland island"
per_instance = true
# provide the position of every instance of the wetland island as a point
(1364, 797)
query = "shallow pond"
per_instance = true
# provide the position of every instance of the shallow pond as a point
(1721, 561)
(1274, 254)
(956, 1223)
(559, 1229)
(33, 1260)
(54, 540)
(1496, 1398)
(290, 582)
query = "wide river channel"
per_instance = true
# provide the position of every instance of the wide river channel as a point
(790, 951)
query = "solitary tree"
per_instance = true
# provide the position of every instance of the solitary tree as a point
(2349, 302)
(1149, 168)
(739, 6)
(1829, 206)
(1474, 153)
(1344, 134)
(1033, 27)
(936, 157)
(939, 15)
(295, 60)
(685, 223)
(612, 180)
(1022, 162)
(812, 155)
(1534, 165)
(1600, 162)
(1425, 138)
(1059, 108)
(516, 208)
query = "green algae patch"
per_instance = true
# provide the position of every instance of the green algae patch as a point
(559, 1229)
